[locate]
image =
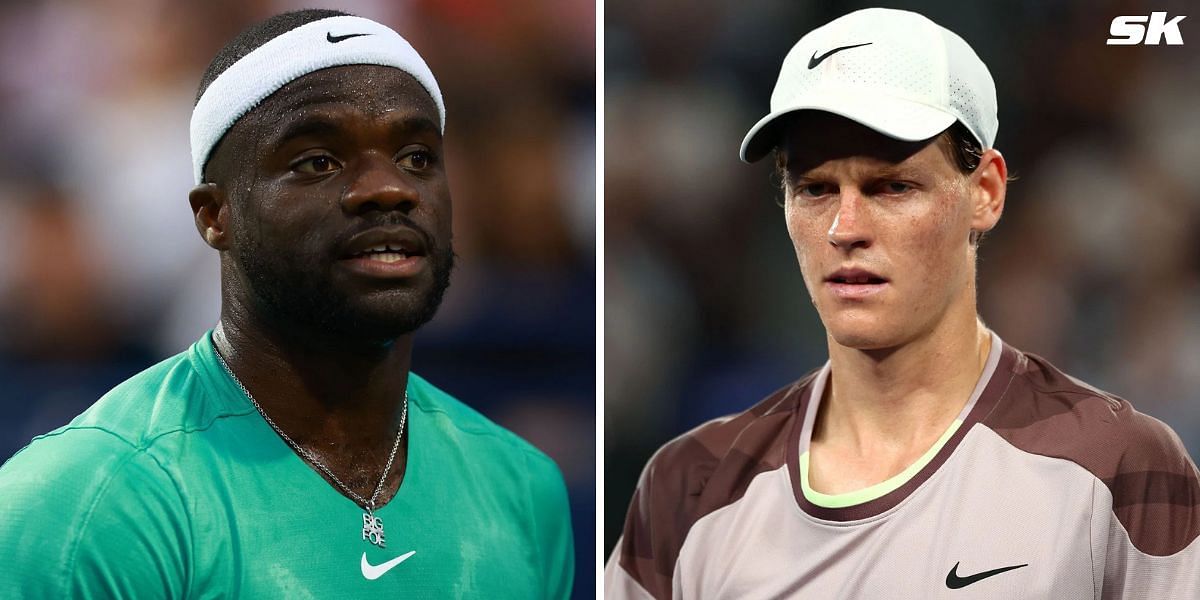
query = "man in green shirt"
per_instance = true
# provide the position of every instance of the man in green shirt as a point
(291, 452)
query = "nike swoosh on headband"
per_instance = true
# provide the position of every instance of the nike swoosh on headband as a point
(815, 60)
(333, 39)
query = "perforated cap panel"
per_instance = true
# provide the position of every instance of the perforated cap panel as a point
(894, 71)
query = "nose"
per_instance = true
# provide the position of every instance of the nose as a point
(851, 226)
(379, 185)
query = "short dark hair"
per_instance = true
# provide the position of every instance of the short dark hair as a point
(258, 34)
(964, 150)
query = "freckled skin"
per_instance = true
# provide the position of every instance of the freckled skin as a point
(857, 198)
(904, 358)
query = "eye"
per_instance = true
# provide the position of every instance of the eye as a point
(417, 160)
(315, 165)
(895, 187)
(813, 190)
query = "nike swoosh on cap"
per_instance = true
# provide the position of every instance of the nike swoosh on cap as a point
(814, 61)
(373, 572)
(333, 39)
(953, 581)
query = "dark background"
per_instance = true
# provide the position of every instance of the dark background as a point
(103, 273)
(1093, 265)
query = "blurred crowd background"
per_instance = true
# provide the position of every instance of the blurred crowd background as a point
(1094, 264)
(103, 273)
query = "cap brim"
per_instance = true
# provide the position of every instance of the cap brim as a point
(893, 117)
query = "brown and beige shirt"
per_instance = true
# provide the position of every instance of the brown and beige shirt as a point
(1044, 487)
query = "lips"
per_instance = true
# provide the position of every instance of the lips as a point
(855, 276)
(855, 283)
(387, 252)
(383, 241)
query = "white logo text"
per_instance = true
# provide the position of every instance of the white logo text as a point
(1127, 30)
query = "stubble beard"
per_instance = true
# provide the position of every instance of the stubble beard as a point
(294, 296)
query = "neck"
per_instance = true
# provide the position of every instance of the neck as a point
(903, 396)
(331, 396)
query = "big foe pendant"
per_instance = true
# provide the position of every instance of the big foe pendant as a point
(373, 529)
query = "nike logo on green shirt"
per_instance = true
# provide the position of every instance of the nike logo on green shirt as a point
(373, 572)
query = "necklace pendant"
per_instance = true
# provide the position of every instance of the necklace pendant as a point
(372, 529)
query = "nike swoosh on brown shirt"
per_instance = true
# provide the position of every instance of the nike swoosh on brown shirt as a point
(953, 581)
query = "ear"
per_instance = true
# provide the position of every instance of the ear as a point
(988, 184)
(211, 210)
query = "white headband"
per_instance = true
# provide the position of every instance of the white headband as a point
(330, 42)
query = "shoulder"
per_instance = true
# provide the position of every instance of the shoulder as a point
(699, 472)
(103, 449)
(468, 428)
(1046, 411)
(1154, 484)
(79, 464)
(748, 442)
(514, 467)
(170, 396)
(101, 498)
(79, 512)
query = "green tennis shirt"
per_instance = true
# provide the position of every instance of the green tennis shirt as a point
(173, 486)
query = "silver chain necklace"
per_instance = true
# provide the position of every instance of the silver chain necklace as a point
(372, 526)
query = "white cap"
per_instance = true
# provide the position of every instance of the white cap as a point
(894, 71)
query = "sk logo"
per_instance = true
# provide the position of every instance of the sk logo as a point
(1127, 30)
(373, 529)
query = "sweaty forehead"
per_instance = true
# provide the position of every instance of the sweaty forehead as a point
(372, 89)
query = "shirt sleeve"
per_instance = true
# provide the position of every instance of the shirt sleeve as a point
(1129, 573)
(552, 528)
(661, 511)
(1146, 520)
(618, 585)
(86, 515)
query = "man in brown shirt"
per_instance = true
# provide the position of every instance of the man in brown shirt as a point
(927, 458)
